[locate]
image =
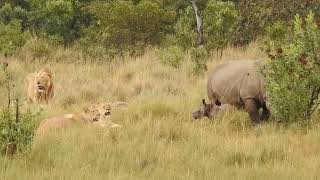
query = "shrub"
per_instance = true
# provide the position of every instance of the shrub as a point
(276, 35)
(11, 37)
(36, 48)
(184, 29)
(59, 20)
(8, 14)
(199, 57)
(52, 17)
(293, 75)
(125, 26)
(171, 56)
(17, 130)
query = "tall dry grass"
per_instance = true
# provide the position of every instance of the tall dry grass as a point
(159, 139)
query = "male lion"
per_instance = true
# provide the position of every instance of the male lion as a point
(40, 86)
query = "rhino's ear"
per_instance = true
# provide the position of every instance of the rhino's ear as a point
(203, 101)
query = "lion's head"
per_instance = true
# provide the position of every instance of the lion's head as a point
(104, 108)
(43, 80)
(91, 114)
(97, 112)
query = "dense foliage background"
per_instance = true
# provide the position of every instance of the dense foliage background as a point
(119, 26)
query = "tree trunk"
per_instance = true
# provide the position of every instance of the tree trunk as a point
(199, 23)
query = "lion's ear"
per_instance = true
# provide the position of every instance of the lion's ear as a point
(49, 74)
(47, 71)
(86, 109)
(204, 102)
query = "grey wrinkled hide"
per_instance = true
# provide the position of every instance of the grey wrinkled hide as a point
(210, 110)
(239, 83)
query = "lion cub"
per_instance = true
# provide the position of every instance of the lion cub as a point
(40, 86)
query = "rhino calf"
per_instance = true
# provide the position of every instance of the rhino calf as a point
(210, 110)
(240, 84)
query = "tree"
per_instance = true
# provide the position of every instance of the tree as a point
(256, 15)
(184, 29)
(11, 37)
(62, 20)
(199, 23)
(7, 14)
(125, 26)
(220, 24)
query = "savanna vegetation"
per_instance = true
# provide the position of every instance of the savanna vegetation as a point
(155, 55)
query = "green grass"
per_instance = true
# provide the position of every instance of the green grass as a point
(159, 139)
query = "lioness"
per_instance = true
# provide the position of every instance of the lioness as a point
(105, 107)
(89, 115)
(95, 114)
(40, 86)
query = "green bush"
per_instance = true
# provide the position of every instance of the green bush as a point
(276, 34)
(256, 15)
(53, 18)
(171, 56)
(59, 20)
(199, 57)
(11, 37)
(7, 14)
(125, 26)
(293, 77)
(16, 127)
(184, 29)
(17, 130)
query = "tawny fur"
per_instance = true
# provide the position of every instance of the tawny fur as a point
(40, 86)
(96, 114)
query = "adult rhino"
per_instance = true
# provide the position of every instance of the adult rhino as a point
(238, 83)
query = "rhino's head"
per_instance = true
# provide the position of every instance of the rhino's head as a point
(205, 110)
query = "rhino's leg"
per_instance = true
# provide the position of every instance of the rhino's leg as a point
(213, 98)
(265, 113)
(252, 108)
